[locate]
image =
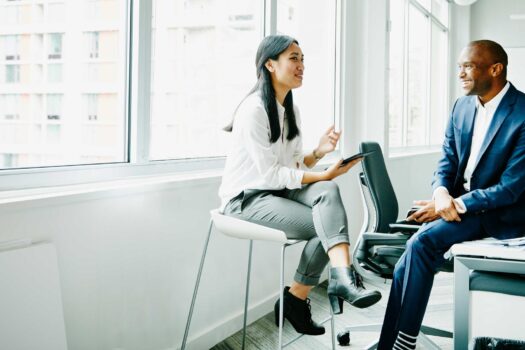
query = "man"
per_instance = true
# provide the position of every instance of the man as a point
(478, 186)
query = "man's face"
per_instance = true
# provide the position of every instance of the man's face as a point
(474, 71)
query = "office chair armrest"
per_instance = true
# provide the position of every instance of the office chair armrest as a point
(404, 227)
(374, 238)
(413, 209)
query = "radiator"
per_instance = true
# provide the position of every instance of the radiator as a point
(31, 315)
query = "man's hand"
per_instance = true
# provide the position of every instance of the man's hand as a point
(445, 206)
(426, 213)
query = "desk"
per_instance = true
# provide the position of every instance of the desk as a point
(468, 256)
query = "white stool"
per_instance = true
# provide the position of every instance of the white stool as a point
(241, 229)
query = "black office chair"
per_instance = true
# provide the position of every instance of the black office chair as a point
(382, 239)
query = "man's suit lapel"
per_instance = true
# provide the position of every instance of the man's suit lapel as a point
(466, 133)
(502, 112)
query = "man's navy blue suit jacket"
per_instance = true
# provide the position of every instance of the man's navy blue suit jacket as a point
(497, 187)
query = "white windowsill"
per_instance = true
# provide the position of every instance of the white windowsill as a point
(180, 178)
(410, 152)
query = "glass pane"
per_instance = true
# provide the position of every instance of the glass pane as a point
(43, 57)
(440, 10)
(417, 78)
(54, 73)
(54, 46)
(439, 86)
(425, 4)
(55, 12)
(396, 73)
(54, 106)
(316, 98)
(12, 73)
(202, 66)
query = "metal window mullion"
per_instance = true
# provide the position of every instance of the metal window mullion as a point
(337, 61)
(386, 129)
(270, 17)
(427, 13)
(449, 68)
(406, 20)
(127, 81)
(140, 81)
(427, 111)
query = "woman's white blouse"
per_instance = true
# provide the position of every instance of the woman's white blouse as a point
(254, 162)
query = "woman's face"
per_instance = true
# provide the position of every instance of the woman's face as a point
(288, 69)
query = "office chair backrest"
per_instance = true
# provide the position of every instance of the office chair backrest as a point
(382, 193)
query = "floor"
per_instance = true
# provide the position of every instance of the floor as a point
(263, 334)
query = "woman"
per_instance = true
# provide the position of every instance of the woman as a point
(265, 182)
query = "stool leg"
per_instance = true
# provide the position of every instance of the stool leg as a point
(281, 298)
(195, 290)
(332, 320)
(247, 293)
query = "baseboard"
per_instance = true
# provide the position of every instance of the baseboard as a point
(219, 331)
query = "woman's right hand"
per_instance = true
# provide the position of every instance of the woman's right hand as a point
(336, 169)
(330, 173)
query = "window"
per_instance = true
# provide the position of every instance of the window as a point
(10, 44)
(91, 106)
(202, 67)
(418, 72)
(54, 73)
(12, 73)
(316, 98)
(55, 12)
(102, 10)
(54, 50)
(73, 102)
(92, 44)
(9, 106)
(40, 89)
(102, 45)
(54, 107)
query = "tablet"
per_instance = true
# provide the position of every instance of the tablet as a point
(355, 156)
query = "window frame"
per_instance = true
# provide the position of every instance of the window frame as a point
(428, 147)
(137, 33)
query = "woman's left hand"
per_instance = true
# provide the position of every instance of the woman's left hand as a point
(328, 141)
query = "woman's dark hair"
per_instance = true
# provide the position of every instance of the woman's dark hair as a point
(270, 48)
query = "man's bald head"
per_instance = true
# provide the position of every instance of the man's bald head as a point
(491, 52)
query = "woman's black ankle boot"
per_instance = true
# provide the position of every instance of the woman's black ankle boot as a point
(298, 312)
(346, 284)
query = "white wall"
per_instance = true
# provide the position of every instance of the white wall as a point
(128, 260)
(490, 20)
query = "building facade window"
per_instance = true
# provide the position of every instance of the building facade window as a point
(91, 101)
(10, 47)
(54, 46)
(54, 73)
(42, 87)
(92, 44)
(12, 73)
(54, 106)
(9, 106)
(418, 71)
